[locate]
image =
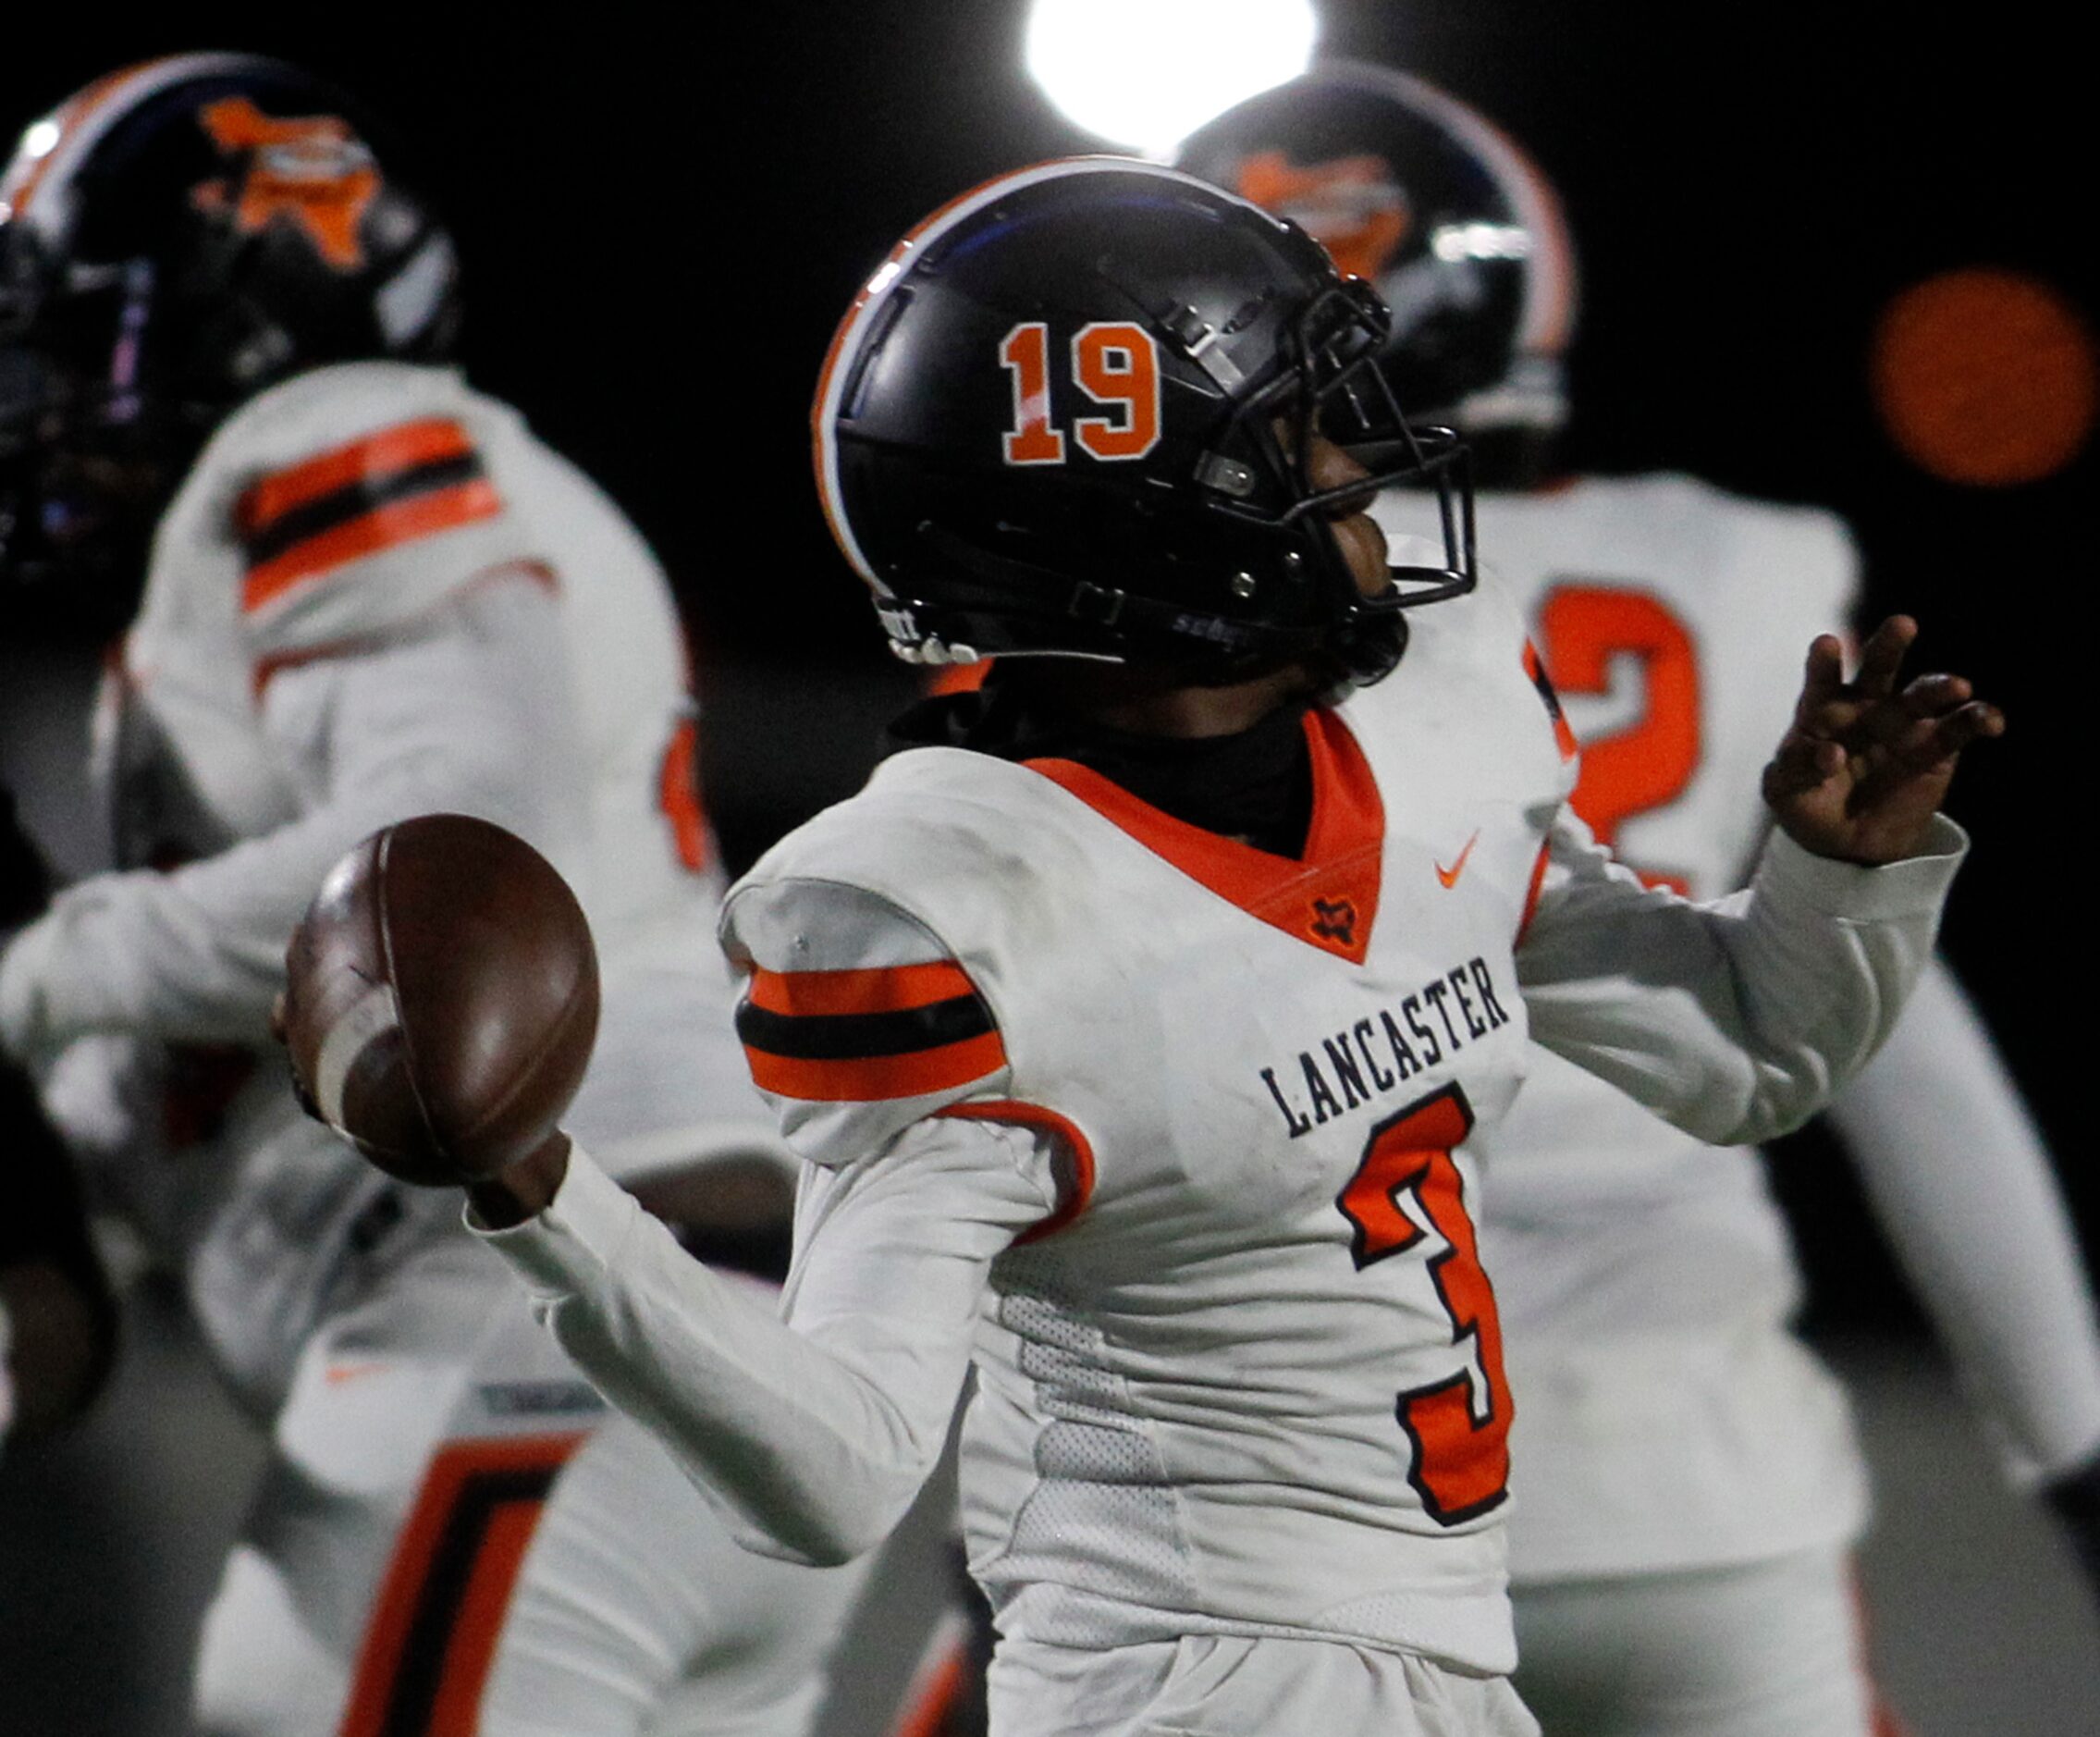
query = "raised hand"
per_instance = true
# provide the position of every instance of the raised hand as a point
(1866, 764)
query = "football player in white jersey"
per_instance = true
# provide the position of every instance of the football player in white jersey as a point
(1135, 1024)
(368, 592)
(1688, 1484)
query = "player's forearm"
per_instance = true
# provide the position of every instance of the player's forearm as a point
(805, 1444)
(447, 722)
(1962, 1184)
(1734, 1021)
(197, 954)
(139, 952)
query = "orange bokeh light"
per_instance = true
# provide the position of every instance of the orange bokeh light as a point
(1986, 377)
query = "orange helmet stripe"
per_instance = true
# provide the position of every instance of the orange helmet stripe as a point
(83, 117)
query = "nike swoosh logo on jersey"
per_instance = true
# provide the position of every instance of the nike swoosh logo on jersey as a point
(1450, 876)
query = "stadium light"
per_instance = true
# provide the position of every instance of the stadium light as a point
(1145, 74)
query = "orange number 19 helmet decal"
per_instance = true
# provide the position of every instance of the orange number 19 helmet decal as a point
(1115, 362)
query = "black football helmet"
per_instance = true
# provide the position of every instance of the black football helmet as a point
(1072, 413)
(174, 239)
(1430, 200)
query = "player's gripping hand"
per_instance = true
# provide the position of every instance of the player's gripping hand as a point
(1866, 764)
(441, 996)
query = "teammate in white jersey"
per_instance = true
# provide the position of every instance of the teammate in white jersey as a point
(369, 592)
(1689, 1486)
(1134, 1027)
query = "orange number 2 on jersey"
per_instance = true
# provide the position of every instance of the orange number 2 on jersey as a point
(1459, 1426)
(1116, 363)
(1648, 764)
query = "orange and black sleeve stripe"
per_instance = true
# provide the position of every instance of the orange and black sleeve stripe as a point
(403, 482)
(901, 1031)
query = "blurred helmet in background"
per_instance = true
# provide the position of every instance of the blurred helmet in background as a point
(1072, 413)
(174, 239)
(1463, 236)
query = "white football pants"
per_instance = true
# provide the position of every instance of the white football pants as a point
(1233, 1686)
(455, 1538)
(1767, 1650)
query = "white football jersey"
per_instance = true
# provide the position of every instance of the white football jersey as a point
(1176, 1140)
(375, 595)
(1254, 1381)
(1667, 1420)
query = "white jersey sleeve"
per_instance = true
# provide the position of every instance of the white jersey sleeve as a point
(1962, 1186)
(429, 722)
(813, 1433)
(1736, 1020)
(366, 501)
(857, 1020)
(859, 1026)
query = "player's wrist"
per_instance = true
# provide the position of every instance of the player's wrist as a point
(522, 1191)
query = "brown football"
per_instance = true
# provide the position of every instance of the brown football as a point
(441, 998)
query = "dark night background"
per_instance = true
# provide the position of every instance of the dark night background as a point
(661, 223)
(663, 214)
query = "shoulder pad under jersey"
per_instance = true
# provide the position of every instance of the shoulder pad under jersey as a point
(356, 499)
(857, 1018)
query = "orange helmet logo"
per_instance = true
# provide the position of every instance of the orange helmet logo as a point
(311, 170)
(1352, 206)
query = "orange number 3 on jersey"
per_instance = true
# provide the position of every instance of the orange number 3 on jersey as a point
(1459, 1426)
